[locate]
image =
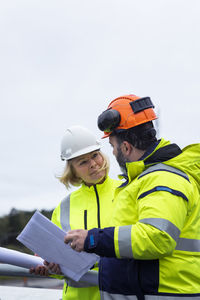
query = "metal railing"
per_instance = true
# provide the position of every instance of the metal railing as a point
(50, 291)
(91, 277)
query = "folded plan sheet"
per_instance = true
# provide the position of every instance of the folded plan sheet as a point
(47, 240)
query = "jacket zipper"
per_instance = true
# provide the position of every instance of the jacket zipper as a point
(85, 219)
(98, 207)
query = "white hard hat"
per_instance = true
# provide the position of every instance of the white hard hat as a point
(78, 141)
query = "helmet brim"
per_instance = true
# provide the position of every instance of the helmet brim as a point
(82, 152)
(106, 134)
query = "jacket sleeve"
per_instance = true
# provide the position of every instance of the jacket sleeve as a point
(157, 231)
(161, 217)
(100, 241)
(55, 218)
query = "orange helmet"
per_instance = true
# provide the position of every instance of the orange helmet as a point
(126, 112)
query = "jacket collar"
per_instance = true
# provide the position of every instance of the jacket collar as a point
(99, 186)
(161, 151)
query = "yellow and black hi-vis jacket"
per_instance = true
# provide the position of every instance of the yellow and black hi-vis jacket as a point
(85, 208)
(152, 252)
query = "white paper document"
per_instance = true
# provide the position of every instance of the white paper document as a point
(47, 240)
(16, 258)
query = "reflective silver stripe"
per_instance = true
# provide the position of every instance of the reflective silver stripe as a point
(108, 296)
(64, 213)
(87, 280)
(65, 223)
(190, 245)
(183, 244)
(154, 297)
(124, 241)
(163, 167)
(91, 277)
(76, 284)
(164, 225)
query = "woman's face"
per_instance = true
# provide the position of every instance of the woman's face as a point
(88, 167)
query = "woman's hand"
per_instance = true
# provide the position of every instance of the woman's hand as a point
(76, 238)
(52, 267)
(46, 269)
(39, 270)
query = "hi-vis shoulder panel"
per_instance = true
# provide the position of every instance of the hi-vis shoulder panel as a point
(163, 167)
(65, 213)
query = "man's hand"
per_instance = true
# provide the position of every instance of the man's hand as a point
(76, 238)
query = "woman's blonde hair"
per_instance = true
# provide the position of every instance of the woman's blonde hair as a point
(69, 176)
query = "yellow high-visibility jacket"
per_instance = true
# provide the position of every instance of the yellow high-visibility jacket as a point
(156, 233)
(85, 208)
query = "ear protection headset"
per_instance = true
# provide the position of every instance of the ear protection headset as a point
(126, 112)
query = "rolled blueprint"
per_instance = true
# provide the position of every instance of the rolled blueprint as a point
(19, 259)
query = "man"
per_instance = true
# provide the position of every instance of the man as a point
(153, 249)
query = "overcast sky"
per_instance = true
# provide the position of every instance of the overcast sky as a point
(62, 62)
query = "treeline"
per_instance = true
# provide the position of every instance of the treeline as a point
(12, 224)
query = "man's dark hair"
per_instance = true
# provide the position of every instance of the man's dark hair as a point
(141, 136)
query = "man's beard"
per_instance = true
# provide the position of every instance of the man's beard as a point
(121, 160)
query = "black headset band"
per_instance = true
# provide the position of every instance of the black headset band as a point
(141, 104)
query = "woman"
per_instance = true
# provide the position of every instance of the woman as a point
(89, 206)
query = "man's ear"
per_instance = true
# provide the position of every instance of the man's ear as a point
(126, 148)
